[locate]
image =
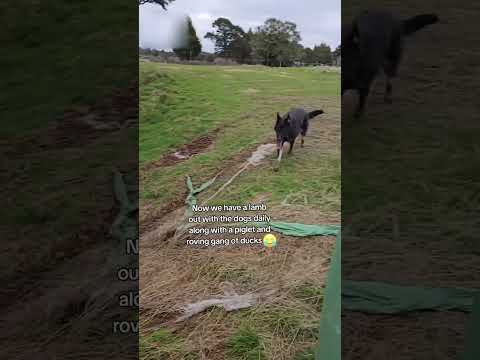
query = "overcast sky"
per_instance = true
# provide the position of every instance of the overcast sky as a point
(317, 21)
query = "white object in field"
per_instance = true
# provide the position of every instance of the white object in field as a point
(179, 155)
(230, 302)
(255, 159)
(261, 153)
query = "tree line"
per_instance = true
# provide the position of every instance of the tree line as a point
(275, 43)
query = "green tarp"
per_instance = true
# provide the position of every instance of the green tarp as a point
(191, 198)
(381, 298)
(329, 347)
(378, 298)
(294, 229)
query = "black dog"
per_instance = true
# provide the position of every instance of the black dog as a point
(374, 41)
(288, 127)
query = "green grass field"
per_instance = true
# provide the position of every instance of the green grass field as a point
(235, 107)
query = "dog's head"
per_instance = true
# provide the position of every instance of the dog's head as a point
(283, 122)
(281, 126)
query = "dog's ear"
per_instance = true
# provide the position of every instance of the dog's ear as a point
(287, 119)
(279, 118)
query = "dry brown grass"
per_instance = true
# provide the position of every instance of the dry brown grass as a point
(174, 275)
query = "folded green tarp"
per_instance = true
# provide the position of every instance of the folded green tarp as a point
(381, 298)
(191, 198)
(294, 229)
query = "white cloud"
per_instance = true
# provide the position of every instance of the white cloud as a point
(202, 16)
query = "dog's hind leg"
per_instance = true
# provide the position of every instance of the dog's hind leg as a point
(390, 69)
(303, 132)
(391, 65)
(302, 137)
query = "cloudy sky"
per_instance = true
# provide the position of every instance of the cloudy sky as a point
(317, 21)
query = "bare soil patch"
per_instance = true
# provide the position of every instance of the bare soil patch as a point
(197, 146)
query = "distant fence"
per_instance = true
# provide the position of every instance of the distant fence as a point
(228, 61)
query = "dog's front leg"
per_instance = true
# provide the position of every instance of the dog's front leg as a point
(291, 146)
(279, 151)
(363, 92)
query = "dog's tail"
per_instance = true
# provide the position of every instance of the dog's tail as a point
(314, 113)
(418, 22)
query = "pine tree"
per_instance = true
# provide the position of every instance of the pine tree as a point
(192, 46)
